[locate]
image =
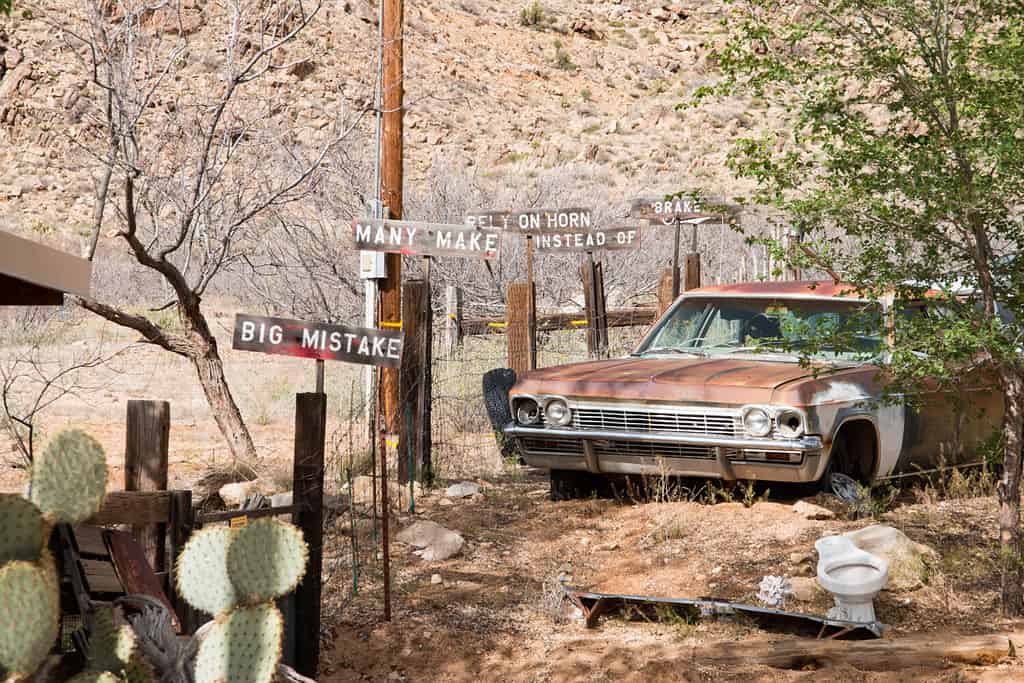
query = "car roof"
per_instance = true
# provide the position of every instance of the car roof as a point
(803, 289)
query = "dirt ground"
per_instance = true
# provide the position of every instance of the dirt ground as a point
(496, 616)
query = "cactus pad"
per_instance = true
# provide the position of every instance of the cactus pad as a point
(96, 677)
(29, 614)
(203, 571)
(241, 647)
(110, 647)
(69, 479)
(21, 529)
(266, 560)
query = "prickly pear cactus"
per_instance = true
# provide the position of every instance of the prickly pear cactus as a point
(243, 646)
(22, 531)
(235, 575)
(115, 649)
(68, 484)
(266, 560)
(29, 614)
(202, 573)
(96, 677)
(69, 480)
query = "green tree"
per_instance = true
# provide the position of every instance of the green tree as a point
(5, 6)
(903, 168)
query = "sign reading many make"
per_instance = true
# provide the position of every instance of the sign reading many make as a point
(318, 340)
(624, 237)
(426, 239)
(533, 221)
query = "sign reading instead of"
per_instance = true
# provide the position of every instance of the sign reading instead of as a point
(425, 239)
(318, 340)
(533, 221)
(669, 211)
(620, 237)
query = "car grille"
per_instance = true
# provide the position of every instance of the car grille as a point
(696, 422)
(535, 445)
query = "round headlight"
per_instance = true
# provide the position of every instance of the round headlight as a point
(557, 412)
(527, 411)
(757, 422)
(790, 424)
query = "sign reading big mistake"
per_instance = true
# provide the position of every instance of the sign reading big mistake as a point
(318, 340)
(425, 239)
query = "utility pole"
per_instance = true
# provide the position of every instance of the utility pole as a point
(391, 190)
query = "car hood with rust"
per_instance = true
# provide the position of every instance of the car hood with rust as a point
(722, 380)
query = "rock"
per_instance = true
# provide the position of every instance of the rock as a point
(812, 511)
(234, 493)
(804, 588)
(907, 559)
(801, 557)
(445, 502)
(435, 541)
(280, 500)
(464, 489)
(436, 579)
(586, 29)
(362, 491)
(9, 191)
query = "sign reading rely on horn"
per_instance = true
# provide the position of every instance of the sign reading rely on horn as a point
(286, 337)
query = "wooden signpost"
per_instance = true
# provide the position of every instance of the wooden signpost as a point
(619, 237)
(425, 239)
(286, 337)
(676, 210)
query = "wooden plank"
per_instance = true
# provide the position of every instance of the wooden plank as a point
(307, 339)
(589, 275)
(665, 297)
(90, 542)
(133, 507)
(533, 221)
(637, 316)
(135, 572)
(101, 577)
(227, 516)
(145, 467)
(692, 274)
(453, 319)
(622, 237)
(600, 313)
(936, 650)
(180, 526)
(308, 490)
(414, 301)
(668, 210)
(517, 309)
(425, 239)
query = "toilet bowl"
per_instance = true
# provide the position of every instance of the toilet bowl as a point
(853, 577)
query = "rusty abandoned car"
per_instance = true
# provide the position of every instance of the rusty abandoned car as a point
(717, 389)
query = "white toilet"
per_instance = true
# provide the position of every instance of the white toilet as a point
(853, 577)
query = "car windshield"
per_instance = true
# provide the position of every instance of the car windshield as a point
(825, 329)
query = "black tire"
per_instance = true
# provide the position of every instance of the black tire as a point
(571, 485)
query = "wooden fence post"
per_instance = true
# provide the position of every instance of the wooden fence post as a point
(415, 381)
(181, 523)
(601, 314)
(145, 468)
(692, 280)
(665, 297)
(453, 319)
(596, 313)
(308, 495)
(517, 312)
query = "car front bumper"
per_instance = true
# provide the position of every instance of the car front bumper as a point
(616, 452)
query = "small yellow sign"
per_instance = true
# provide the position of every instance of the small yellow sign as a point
(238, 522)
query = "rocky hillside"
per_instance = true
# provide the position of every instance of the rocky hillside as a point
(495, 89)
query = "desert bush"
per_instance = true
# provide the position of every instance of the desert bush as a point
(532, 15)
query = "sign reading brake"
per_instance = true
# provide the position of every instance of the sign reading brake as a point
(426, 239)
